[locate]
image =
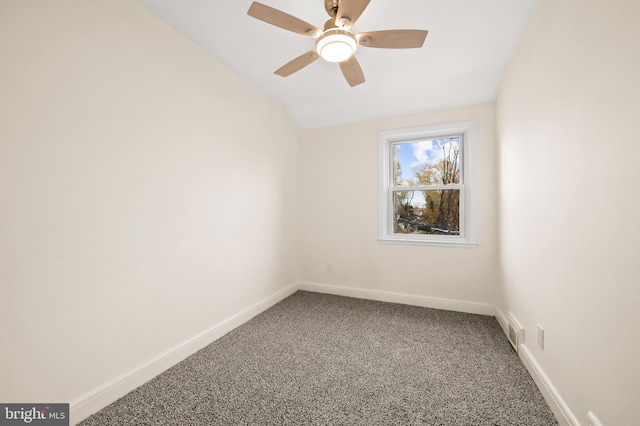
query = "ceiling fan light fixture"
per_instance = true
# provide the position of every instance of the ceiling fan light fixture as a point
(336, 45)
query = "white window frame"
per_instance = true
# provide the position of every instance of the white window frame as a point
(468, 188)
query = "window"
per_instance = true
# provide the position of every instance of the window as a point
(428, 185)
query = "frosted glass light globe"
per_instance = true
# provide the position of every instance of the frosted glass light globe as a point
(335, 45)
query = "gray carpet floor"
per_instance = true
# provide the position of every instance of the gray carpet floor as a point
(317, 359)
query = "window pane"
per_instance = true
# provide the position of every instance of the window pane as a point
(427, 162)
(427, 212)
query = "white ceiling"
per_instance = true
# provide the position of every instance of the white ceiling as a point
(461, 63)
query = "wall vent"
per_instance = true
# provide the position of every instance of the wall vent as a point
(515, 331)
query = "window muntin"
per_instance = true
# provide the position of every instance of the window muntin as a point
(427, 185)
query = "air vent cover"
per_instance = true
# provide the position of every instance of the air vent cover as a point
(515, 331)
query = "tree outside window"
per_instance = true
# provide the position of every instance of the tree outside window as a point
(427, 163)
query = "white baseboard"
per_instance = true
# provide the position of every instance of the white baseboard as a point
(104, 395)
(406, 299)
(502, 320)
(560, 409)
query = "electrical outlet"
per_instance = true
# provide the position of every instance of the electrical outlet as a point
(593, 420)
(329, 267)
(540, 336)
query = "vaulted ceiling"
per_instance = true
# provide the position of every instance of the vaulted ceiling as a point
(461, 62)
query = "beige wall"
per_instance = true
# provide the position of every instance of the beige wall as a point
(567, 116)
(338, 215)
(147, 193)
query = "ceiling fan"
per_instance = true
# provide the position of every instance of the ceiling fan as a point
(336, 43)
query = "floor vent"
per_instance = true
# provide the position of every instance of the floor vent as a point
(515, 331)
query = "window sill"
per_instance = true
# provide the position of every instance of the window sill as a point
(432, 243)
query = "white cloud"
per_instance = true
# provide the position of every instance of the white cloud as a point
(426, 152)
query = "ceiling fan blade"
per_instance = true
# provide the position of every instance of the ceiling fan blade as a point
(281, 19)
(393, 39)
(297, 64)
(352, 71)
(351, 10)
